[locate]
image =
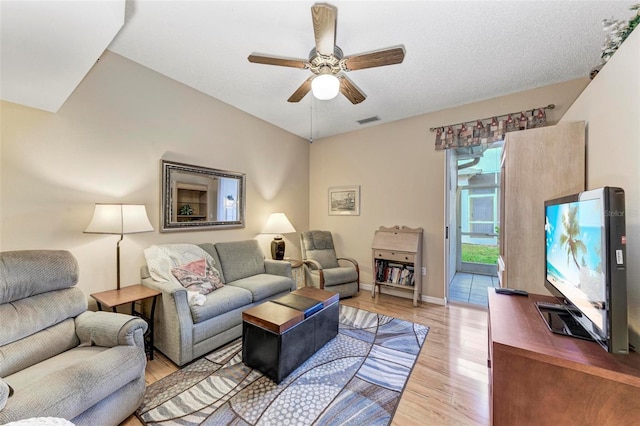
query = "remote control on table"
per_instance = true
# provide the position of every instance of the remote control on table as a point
(511, 291)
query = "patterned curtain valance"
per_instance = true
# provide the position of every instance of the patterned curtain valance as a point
(488, 130)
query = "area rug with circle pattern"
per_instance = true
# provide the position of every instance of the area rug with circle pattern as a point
(357, 379)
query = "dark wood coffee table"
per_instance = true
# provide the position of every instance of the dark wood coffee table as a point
(277, 339)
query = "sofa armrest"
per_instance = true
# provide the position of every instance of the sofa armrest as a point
(168, 287)
(278, 267)
(110, 329)
(5, 393)
(315, 265)
(173, 323)
(350, 259)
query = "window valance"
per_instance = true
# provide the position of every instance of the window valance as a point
(488, 130)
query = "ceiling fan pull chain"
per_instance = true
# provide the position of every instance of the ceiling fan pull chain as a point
(311, 121)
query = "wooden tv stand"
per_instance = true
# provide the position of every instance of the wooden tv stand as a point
(537, 377)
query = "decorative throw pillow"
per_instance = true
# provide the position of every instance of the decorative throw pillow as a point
(198, 276)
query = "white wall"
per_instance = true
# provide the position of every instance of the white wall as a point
(106, 142)
(402, 176)
(105, 145)
(610, 106)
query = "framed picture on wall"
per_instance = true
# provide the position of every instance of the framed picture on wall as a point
(344, 200)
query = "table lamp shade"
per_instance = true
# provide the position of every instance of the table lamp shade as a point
(278, 223)
(119, 219)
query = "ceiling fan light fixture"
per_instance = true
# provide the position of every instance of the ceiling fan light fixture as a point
(325, 87)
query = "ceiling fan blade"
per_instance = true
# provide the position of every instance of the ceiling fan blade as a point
(324, 28)
(301, 91)
(375, 59)
(350, 91)
(270, 60)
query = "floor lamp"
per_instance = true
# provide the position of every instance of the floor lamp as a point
(119, 219)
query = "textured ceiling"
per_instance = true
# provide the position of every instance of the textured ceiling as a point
(457, 52)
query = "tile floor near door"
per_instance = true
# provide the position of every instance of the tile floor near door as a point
(471, 288)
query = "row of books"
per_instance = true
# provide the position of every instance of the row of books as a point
(394, 273)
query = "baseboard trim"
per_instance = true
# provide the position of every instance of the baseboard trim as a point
(404, 294)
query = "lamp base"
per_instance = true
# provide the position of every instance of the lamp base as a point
(277, 248)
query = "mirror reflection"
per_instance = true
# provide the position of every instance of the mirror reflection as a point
(201, 198)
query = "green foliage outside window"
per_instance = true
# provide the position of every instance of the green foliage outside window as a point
(479, 253)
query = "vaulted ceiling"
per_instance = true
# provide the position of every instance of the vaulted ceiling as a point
(457, 52)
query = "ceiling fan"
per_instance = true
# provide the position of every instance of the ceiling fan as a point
(327, 62)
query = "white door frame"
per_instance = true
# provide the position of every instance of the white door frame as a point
(451, 236)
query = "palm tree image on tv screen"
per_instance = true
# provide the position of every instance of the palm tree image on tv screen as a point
(569, 238)
(574, 250)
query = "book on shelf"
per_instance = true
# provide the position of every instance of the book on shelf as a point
(394, 273)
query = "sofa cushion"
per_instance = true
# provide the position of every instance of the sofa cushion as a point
(216, 328)
(339, 275)
(38, 347)
(40, 311)
(345, 290)
(240, 259)
(72, 382)
(318, 246)
(221, 301)
(326, 258)
(263, 286)
(211, 250)
(29, 272)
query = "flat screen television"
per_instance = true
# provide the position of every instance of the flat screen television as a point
(585, 261)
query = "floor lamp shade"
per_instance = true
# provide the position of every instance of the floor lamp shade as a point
(277, 224)
(119, 219)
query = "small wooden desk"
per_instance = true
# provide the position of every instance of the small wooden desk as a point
(132, 294)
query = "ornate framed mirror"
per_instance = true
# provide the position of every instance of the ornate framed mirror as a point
(198, 198)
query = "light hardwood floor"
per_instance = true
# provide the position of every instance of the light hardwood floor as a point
(449, 383)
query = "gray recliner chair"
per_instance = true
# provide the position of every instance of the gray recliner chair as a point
(56, 358)
(322, 266)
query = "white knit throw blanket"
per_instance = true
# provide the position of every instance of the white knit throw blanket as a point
(162, 258)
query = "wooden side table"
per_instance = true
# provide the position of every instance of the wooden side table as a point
(297, 271)
(132, 294)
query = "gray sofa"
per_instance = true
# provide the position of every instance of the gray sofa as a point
(56, 358)
(183, 332)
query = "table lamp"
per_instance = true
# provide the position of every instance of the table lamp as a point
(119, 219)
(278, 223)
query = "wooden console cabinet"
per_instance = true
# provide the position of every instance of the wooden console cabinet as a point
(397, 260)
(540, 378)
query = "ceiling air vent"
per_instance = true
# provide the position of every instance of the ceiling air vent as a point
(368, 120)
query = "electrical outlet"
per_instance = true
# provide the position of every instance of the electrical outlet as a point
(424, 270)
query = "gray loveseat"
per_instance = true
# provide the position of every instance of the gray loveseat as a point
(184, 332)
(56, 358)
